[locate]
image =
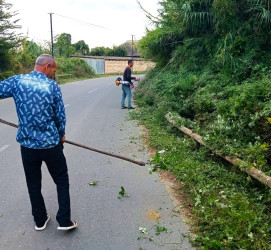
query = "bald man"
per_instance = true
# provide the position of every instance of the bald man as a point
(41, 133)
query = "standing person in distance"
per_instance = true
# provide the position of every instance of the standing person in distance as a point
(127, 85)
(41, 133)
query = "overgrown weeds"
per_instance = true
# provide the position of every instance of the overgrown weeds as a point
(231, 211)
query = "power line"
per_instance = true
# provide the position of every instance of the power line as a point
(95, 25)
(102, 27)
(92, 24)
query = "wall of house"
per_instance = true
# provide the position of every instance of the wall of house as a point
(117, 67)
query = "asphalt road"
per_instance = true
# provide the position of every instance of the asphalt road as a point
(105, 222)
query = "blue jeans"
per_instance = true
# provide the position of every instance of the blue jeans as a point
(126, 91)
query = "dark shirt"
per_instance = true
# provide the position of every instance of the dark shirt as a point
(127, 75)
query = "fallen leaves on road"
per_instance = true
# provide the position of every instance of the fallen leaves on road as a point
(122, 193)
(93, 183)
(143, 230)
(160, 230)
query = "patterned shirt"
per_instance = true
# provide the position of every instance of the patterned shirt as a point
(40, 109)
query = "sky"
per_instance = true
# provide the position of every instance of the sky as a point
(121, 18)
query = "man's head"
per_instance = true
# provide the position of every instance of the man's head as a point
(130, 63)
(46, 64)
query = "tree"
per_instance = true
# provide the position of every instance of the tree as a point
(103, 51)
(63, 45)
(118, 51)
(99, 51)
(8, 38)
(30, 51)
(81, 47)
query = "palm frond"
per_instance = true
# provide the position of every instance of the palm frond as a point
(261, 10)
(196, 19)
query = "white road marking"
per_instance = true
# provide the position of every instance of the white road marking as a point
(67, 105)
(92, 91)
(3, 148)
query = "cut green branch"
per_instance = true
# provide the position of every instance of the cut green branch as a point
(253, 172)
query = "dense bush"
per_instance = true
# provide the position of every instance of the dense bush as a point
(230, 210)
(74, 66)
(219, 76)
(23, 61)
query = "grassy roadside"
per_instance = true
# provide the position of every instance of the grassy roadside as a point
(230, 210)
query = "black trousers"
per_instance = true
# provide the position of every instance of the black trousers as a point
(57, 167)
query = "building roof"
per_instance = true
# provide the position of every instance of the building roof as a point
(112, 58)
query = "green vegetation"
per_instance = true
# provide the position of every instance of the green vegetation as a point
(75, 67)
(231, 211)
(103, 51)
(63, 45)
(122, 193)
(81, 47)
(218, 77)
(213, 69)
(160, 229)
(93, 183)
(7, 34)
(23, 61)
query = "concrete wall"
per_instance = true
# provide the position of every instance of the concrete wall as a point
(118, 66)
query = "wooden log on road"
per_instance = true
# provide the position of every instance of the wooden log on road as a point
(253, 172)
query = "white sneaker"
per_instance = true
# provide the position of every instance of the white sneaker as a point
(68, 228)
(45, 224)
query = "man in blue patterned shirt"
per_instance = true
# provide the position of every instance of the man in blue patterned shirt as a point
(41, 133)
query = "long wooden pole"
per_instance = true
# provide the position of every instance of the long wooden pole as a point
(138, 162)
(254, 172)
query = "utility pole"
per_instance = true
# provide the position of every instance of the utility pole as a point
(132, 47)
(52, 38)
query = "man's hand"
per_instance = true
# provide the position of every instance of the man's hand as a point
(63, 139)
(137, 79)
